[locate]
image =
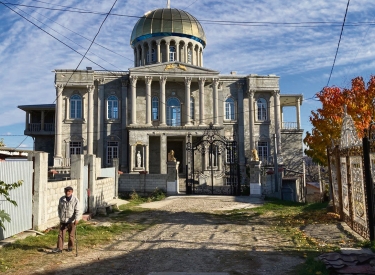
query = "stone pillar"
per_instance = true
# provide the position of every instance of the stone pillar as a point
(255, 179)
(146, 158)
(150, 53)
(298, 114)
(115, 164)
(158, 51)
(58, 121)
(135, 57)
(215, 84)
(90, 119)
(76, 173)
(163, 154)
(172, 178)
(143, 55)
(251, 118)
(187, 100)
(94, 193)
(162, 103)
(100, 117)
(42, 121)
(201, 57)
(138, 57)
(124, 123)
(276, 96)
(167, 50)
(201, 82)
(177, 51)
(148, 81)
(133, 80)
(185, 53)
(241, 131)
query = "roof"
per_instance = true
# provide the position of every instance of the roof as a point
(37, 107)
(168, 22)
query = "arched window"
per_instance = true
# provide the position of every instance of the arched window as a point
(189, 56)
(155, 108)
(112, 107)
(262, 109)
(75, 106)
(153, 55)
(173, 112)
(192, 108)
(229, 109)
(172, 53)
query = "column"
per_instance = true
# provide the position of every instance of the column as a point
(148, 81)
(90, 119)
(185, 53)
(163, 154)
(162, 105)
(158, 50)
(167, 50)
(251, 118)
(138, 57)
(215, 84)
(100, 117)
(177, 51)
(135, 57)
(42, 122)
(27, 128)
(201, 57)
(201, 82)
(58, 120)
(124, 123)
(150, 53)
(147, 162)
(133, 80)
(241, 132)
(187, 100)
(276, 96)
(143, 56)
(132, 154)
(143, 157)
(298, 114)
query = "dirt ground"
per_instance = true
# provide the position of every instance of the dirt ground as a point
(184, 238)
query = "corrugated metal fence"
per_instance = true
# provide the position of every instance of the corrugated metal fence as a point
(21, 215)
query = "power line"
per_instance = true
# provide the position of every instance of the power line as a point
(207, 21)
(338, 45)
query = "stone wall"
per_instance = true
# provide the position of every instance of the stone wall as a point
(105, 188)
(142, 183)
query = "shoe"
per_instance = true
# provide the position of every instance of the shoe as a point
(70, 249)
(56, 250)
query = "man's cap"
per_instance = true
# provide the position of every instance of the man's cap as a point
(68, 188)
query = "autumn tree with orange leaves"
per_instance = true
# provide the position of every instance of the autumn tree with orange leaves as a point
(327, 120)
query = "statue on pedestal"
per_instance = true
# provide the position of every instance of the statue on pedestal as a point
(171, 156)
(254, 154)
(139, 159)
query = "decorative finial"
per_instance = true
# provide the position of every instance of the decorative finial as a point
(168, 4)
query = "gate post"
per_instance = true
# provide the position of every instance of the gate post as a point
(369, 186)
(339, 183)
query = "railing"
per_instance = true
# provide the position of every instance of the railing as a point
(49, 127)
(37, 127)
(290, 125)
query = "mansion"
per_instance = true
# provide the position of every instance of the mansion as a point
(140, 115)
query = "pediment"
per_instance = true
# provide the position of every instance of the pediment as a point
(172, 68)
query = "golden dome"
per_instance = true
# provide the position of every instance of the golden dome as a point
(168, 22)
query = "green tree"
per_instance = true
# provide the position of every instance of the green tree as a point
(4, 193)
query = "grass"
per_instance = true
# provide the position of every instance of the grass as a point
(28, 251)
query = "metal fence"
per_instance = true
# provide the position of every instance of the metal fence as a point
(21, 215)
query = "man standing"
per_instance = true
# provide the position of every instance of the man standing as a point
(68, 210)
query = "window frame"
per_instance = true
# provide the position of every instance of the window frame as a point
(262, 109)
(172, 54)
(157, 108)
(230, 113)
(192, 108)
(178, 114)
(75, 148)
(112, 151)
(263, 152)
(75, 107)
(110, 114)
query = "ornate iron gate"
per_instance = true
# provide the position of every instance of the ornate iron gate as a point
(212, 164)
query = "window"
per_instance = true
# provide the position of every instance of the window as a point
(212, 158)
(231, 180)
(173, 112)
(229, 109)
(75, 106)
(263, 151)
(112, 107)
(75, 148)
(262, 109)
(112, 151)
(230, 155)
(153, 55)
(192, 108)
(155, 108)
(189, 56)
(172, 53)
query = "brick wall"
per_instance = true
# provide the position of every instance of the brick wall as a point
(105, 190)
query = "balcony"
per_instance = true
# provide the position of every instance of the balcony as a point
(39, 129)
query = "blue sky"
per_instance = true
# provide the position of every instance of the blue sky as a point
(301, 53)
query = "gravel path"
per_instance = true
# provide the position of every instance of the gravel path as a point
(185, 238)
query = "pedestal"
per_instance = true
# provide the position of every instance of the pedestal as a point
(255, 179)
(172, 179)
